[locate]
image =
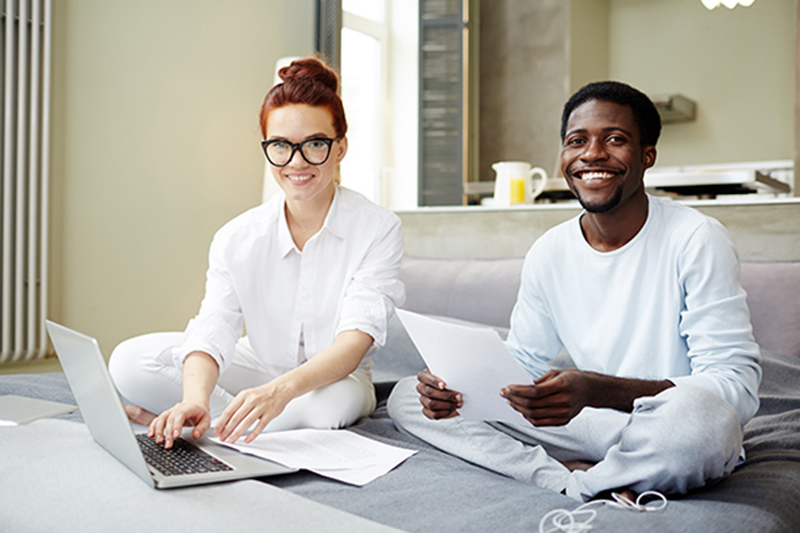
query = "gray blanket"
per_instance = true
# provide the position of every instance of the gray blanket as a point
(432, 490)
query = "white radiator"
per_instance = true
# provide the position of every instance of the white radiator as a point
(24, 109)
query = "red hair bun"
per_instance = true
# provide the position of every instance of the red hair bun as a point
(306, 81)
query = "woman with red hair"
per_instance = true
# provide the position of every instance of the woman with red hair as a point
(311, 275)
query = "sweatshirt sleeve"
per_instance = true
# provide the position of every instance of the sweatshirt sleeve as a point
(715, 321)
(532, 340)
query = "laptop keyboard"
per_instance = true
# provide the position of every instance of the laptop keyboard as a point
(183, 458)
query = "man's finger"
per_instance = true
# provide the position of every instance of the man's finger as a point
(439, 415)
(429, 379)
(545, 422)
(522, 391)
(438, 405)
(431, 392)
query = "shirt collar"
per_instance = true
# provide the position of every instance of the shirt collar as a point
(285, 241)
(334, 222)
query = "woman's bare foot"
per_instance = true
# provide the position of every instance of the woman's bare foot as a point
(138, 415)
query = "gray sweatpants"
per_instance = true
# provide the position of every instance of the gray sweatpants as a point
(672, 442)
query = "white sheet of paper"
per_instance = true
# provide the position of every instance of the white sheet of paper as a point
(335, 453)
(471, 360)
(16, 410)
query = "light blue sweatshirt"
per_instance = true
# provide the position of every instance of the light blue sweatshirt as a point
(667, 305)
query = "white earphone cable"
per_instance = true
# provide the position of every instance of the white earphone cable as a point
(580, 519)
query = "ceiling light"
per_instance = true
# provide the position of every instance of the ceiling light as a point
(730, 4)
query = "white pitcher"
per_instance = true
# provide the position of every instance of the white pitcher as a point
(514, 183)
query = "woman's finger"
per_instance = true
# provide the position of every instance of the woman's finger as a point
(243, 425)
(226, 416)
(239, 417)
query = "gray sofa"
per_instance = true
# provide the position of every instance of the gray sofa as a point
(483, 291)
(431, 490)
(762, 495)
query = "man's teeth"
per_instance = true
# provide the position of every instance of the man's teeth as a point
(596, 175)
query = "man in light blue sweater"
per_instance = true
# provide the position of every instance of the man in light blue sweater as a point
(644, 294)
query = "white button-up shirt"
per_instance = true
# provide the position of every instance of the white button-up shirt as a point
(293, 303)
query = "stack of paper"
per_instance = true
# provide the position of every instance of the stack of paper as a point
(471, 360)
(337, 454)
(16, 410)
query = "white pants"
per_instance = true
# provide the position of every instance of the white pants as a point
(677, 440)
(144, 373)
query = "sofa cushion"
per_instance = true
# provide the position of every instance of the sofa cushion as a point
(485, 290)
(476, 290)
(773, 295)
(399, 357)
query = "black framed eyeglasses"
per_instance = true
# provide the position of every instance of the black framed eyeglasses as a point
(315, 150)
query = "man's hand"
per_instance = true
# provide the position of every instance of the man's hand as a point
(558, 396)
(437, 401)
(168, 425)
(554, 399)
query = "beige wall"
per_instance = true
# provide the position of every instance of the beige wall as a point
(155, 145)
(523, 67)
(797, 98)
(738, 65)
(589, 42)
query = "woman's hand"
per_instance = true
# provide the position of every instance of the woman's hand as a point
(200, 373)
(437, 401)
(167, 426)
(259, 404)
(262, 404)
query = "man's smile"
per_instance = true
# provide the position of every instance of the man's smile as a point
(595, 176)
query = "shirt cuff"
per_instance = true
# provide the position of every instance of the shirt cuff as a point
(210, 335)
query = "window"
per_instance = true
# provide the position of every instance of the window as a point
(363, 68)
(379, 89)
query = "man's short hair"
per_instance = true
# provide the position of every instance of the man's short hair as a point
(644, 111)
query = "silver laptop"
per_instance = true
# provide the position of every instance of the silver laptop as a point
(85, 368)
